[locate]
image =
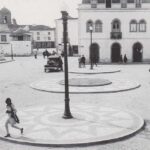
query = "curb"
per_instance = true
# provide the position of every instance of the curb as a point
(6, 61)
(95, 72)
(80, 144)
(94, 92)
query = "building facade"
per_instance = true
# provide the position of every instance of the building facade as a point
(109, 29)
(72, 36)
(43, 37)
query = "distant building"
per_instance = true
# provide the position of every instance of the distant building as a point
(22, 39)
(118, 27)
(72, 36)
(5, 39)
(21, 42)
(43, 37)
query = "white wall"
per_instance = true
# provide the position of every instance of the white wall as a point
(21, 47)
(6, 48)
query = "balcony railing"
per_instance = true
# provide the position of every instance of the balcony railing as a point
(116, 35)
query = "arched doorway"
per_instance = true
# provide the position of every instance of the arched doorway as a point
(94, 52)
(115, 52)
(137, 52)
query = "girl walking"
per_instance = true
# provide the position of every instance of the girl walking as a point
(12, 117)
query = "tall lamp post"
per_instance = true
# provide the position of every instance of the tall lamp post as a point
(91, 57)
(12, 55)
(67, 113)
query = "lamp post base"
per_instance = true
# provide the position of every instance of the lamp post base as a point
(67, 113)
(67, 116)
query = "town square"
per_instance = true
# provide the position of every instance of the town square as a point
(80, 85)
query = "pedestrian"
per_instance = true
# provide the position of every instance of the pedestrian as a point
(60, 63)
(79, 61)
(12, 117)
(125, 59)
(83, 59)
(47, 53)
(95, 61)
(35, 53)
(44, 54)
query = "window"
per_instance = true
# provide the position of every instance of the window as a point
(115, 1)
(3, 38)
(38, 33)
(101, 1)
(116, 26)
(49, 38)
(138, 3)
(49, 33)
(98, 26)
(145, 1)
(123, 4)
(130, 1)
(20, 38)
(38, 38)
(75, 49)
(142, 26)
(93, 4)
(5, 19)
(133, 26)
(88, 24)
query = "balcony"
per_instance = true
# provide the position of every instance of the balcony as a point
(116, 35)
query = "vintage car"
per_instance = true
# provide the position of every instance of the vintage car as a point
(54, 63)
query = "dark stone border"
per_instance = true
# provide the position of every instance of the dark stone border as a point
(94, 92)
(83, 144)
(94, 72)
(107, 82)
(1, 62)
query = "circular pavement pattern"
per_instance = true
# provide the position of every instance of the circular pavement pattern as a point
(52, 85)
(44, 125)
(86, 82)
(96, 70)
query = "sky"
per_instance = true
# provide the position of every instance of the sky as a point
(39, 11)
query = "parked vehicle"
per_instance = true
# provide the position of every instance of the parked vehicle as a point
(54, 63)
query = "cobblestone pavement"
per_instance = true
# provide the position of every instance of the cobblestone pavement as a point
(15, 78)
(44, 125)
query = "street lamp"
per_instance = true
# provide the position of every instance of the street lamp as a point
(91, 57)
(67, 113)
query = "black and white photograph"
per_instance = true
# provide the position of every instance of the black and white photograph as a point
(74, 74)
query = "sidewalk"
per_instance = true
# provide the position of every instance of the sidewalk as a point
(100, 69)
(5, 61)
(44, 126)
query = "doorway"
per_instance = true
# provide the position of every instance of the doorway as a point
(115, 52)
(94, 52)
(137, 52)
